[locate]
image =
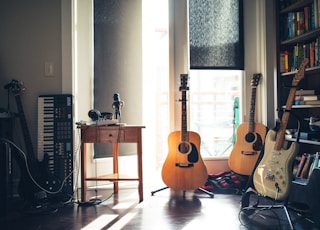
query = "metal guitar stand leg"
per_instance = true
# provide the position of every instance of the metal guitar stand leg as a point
(184, 192)
(158, 190)
(211, 194)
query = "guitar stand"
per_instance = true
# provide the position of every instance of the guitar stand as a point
(251, 210)
(184, 192)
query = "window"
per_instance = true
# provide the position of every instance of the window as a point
(214, 110)
(216, 61)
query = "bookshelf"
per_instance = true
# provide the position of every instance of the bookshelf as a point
(298, 36)
(287, 67)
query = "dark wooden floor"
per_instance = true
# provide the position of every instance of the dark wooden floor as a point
(164, 210)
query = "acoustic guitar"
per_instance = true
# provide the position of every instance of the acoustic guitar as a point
(273, 175)
(184, 168)
(250, 138)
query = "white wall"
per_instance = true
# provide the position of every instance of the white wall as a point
(30, 36)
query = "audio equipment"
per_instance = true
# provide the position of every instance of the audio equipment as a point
(55, 136)
(96, 115)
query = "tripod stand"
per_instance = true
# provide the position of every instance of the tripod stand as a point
(184, 192)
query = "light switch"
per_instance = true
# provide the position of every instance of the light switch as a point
(49, 69)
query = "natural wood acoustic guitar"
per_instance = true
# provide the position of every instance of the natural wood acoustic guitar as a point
(184, 168)
(273, 175)
(250, 138)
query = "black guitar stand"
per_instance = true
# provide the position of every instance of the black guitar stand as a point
(252, 211)
(184, 192)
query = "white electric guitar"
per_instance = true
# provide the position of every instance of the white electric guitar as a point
(273, 175)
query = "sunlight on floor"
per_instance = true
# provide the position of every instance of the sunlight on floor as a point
(124, 220)
(100, 222)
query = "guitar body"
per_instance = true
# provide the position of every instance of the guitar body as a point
(183, 171)
(247, 148)
(273, 175)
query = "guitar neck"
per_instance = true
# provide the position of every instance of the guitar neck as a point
(252, 109)
(184, 125)
(285, 118)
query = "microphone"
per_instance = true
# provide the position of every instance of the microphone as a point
(117, 104)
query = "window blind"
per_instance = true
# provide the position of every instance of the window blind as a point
(216, 34)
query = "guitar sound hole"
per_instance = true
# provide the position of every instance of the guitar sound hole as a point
(250, 137)
(184, 148)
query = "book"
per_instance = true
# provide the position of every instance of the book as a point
(305, 92)
(298, 102)
(314, 164)
(306, 166)
(301, 164)
(307, 97)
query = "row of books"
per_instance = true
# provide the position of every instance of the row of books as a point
(301, 21)
(306, 164)
(306, 97)
(290, 60)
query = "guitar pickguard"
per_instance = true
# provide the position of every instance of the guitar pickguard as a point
(257, 145)
(193, 155)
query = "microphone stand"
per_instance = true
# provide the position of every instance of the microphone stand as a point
(117, 105)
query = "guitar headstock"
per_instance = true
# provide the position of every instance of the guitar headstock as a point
(184, 82)
(300, 74)
(255, 79)
(15, 86)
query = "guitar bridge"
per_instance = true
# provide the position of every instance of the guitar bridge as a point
(248, 153)
(183, 165)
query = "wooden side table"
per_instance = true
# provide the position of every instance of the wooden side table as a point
(114, 135)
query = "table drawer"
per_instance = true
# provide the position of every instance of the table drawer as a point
(103, 135)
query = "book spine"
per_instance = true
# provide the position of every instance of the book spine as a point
(306, 11)
(305, 167)
(311, 59)
(310, 162)
(313, 164)
(301, 164)
(314, 16)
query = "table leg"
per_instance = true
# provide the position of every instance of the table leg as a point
(115, 166)
(139, 153)
(83, 172)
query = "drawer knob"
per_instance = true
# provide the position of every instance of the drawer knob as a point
(110, 135)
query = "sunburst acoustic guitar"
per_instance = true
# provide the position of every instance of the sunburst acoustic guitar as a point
(273, 175)
(250, 138)
(184, 168)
